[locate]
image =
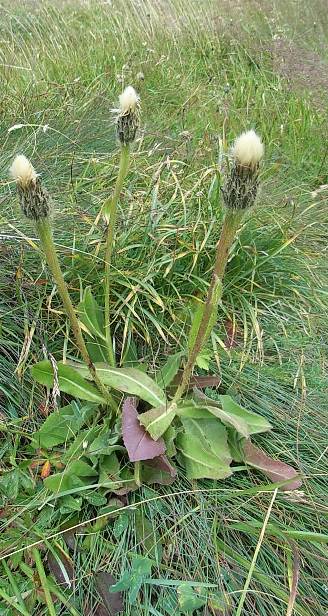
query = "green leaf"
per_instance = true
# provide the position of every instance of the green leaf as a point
(191, 410)
(157, 420)
(236, 413)
(101, 446)
(81, 469)
(91, 315)
(203, 360)
(97, 350)
(169, 438)
(69, 381)
(60, 426)
(109, 465)
(236, 442)
(80, 444)
(204, 448)
(279, 531)
(95, 498)
(69, 503)
(148, 537)
(61, 482)
(15, 482)
(121, 524)
(255, 423)
(128, 380)
(132, 580)
(190, 600)
(167, 373)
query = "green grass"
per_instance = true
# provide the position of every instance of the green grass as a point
(205, 78)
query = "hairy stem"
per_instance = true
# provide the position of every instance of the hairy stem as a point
(45, 233)
(228, 232)
(110, 214)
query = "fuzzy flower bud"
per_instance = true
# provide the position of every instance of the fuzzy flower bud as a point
(241, 186)
(127, 121)
(34, 199)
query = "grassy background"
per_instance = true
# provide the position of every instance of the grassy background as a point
(208, 73)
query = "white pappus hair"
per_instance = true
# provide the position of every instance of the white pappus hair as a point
(248, 149)
(22, 171)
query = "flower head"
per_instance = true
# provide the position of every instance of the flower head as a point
(248, 149)
(127, 119)
(22, 171)
(241, 186)
(129, 101)
(34, 199)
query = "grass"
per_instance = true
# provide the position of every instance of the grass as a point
(205, 77)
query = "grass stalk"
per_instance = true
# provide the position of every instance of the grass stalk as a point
(110, 214)
(254, 559)
(14, 586)
(13, 603)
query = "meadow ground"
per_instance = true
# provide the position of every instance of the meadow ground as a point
(205, 72)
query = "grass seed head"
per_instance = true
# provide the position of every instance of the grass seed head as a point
(241, 186)
(127, 121)
(34, 199)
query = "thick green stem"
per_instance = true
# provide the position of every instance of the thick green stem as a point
(110, 214)
(228, 232)
(137, 473)
(44, 582)
(45, 233)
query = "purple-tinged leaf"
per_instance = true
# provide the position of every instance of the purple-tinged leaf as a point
(295, 579)
(163, 464)
(204, 381)
(139, 443)
(159, 470)
(111, 600)
(100, 610)
(201, 382)
(274, 469)
(61, 568)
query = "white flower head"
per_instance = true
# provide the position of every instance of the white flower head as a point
(127, 116)
(34, 199)
(22, 171)
(248, 149)
(129, 101)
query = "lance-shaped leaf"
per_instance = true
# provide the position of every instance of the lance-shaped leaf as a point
(69, 381)
(255, 423)
(204, 448)
(91, 315)
(274, 469)
(127, 380)
(139, 444)
(191, 410)
(157, 420)
(167, 373)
